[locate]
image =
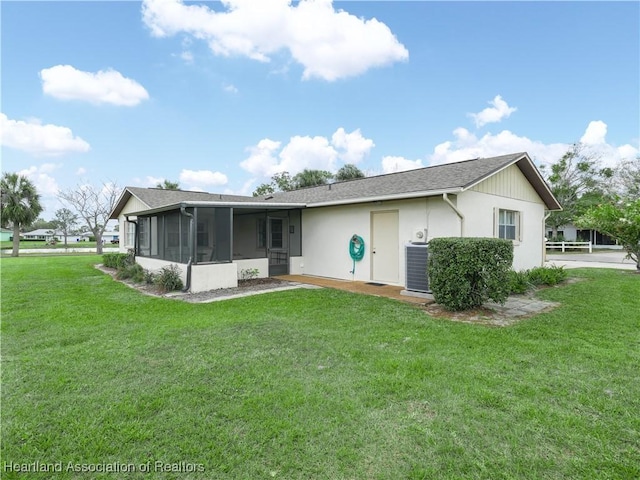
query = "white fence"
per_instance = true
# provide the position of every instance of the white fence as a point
(564, 245)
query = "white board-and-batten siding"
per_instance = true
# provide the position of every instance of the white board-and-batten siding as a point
(510, 183)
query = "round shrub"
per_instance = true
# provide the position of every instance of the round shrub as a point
(466, 272)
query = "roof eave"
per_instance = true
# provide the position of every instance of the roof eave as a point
(239, 205)
(382, 198)
(532, 174)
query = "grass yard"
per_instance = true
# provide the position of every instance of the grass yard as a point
(36, 244)
(312, 384)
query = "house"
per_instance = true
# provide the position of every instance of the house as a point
(47, 235)
(108, 236)
(6, 235)
(41, 234)
(213, 238)
(571, 233)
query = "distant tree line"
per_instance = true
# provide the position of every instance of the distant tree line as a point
(283, 182)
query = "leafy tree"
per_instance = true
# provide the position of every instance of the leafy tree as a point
(168, 185)
(65, 222)
(349, 172)
(283, 181)
(575, 180)
(19, 204)
(280, 182)
(264, 189)
(311, 178)
(620, 220)
(41, 223)
(94, 205)
(627, 177)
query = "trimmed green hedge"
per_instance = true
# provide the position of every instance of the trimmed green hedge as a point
(115, 260)
(466, 272)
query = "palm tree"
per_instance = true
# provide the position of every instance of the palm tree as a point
(20, 204)
(168, 185)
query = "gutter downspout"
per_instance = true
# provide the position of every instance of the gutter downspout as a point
(183, 211)
(445, 197)
(135, 237)
(544, 230)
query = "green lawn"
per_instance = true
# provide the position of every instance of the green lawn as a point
(313, 384)
(42, 244)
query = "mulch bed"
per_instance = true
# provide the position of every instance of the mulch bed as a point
(244, 286)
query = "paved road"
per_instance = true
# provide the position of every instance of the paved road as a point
(612, 259)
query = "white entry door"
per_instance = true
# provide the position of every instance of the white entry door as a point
(385, 247)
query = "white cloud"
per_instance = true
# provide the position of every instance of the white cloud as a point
(595, 134)
(199, 179)
(391, 164)
(246, 189)
(45, 184)
(267, 158)
(187, 56)
(329, 44)
(466, 145)
(262, 160)
(106, 86)
(40, 140)
(496, 113)
(153, 181)
(353, 145)
(595, 140)
(308, 152)
(229, 88)
(81, 171)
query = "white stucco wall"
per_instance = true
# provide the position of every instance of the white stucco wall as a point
(203, 277)
(154, 265)
(296, 265)
(260, 264)
(132, 205)
(213, 276)
(478, 209)
(326, 232)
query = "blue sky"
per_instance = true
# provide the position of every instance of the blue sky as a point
(221, 95)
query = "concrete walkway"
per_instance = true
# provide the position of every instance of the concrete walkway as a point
(389, 291)
(515, 306)
(613, 259)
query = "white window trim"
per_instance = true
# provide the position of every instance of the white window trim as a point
(496, 224)
(129, 234)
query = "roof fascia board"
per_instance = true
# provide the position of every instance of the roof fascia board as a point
(115, 213)
(382, 198)
(533, 169)
(491, 174)
(238, 205)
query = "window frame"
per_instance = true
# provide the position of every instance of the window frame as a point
(501, 225)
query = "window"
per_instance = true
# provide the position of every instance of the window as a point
(129, 234)
(275, 225)
(509, 224)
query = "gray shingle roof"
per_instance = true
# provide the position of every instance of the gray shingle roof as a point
(157, 197)
(446, 177)
(449, 177)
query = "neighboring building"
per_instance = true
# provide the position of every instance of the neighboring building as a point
(571, 233)
(213, 237)
(107, 237)
(47, 235)
(6, 235)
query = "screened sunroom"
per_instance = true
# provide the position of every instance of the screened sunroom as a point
(215, 243)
